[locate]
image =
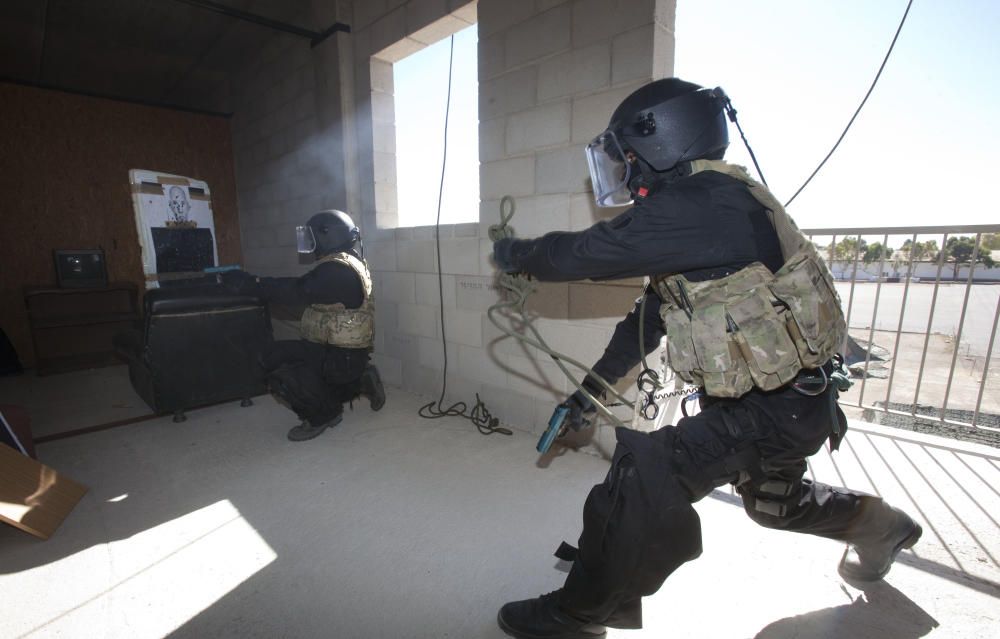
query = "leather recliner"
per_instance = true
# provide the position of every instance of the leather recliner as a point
(196, 346)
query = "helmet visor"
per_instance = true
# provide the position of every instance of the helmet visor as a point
(305, 241)
(609, 171)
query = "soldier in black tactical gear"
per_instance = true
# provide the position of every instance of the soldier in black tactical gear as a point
(751, 316)
(329, 365)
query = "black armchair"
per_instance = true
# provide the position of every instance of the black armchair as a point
(196, 346)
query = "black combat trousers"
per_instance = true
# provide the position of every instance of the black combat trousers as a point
(314, 380)
(639, 525)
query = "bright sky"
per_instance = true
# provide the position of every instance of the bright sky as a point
(920, 152)
(420, 84)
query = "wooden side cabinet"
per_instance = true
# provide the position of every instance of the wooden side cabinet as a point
(72, 328)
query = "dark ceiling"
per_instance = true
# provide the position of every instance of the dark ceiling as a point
(166, 52)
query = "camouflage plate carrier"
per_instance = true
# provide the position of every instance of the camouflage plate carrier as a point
(753, 328)
(336, 324)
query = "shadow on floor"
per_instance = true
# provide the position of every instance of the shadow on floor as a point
(881, 612)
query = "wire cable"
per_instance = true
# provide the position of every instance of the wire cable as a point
(860, 106)
(485, 422)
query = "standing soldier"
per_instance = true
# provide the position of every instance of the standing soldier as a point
(751, 316)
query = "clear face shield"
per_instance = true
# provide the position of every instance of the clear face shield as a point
(609, 171)
(305, 241)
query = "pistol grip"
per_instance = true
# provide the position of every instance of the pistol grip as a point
(553, 430)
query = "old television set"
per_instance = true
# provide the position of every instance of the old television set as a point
(80, 268)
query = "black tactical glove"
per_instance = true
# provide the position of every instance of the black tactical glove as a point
(503, 255)
(238, 281)
(581, 410)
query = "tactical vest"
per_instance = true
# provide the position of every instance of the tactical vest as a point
(753, 328)
(336, 324)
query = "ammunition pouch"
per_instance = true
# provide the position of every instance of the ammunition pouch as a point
(337, 325)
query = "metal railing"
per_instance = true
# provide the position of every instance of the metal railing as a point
(902, 279)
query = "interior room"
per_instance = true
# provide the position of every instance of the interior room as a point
(169, 169)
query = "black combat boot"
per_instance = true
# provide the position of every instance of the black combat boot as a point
(871, 562)
(371, 387)
(542, 618)
(305, 430)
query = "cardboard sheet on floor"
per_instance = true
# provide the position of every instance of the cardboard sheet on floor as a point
(34, 497)
(173, 216)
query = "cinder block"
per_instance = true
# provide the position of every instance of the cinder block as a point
(478, 364)
(385, 197)
(381, 76)
(537, 215)
(508, 93)
(416, 255)
(545, 5)
(538, 128)
(405, 347)
(385, 167)
(632, 55)
(550, 300)
(429, 293)
(439, 29)
(431, 354)
(497, 15)
(383, 139)
(512, 409)
(383, 109)
(380, 255)
(541, 35)
(582, 342)
(390, 369)
(466, 229)
(402, 48)
(418, 320)
(386, 315)
(591, 113)
(398, 287)
(466, 10)
(515, 176)
(535, 378)
(386, 31)
(664, 49)
(476, 293)
(595, 20)
(591, 300)
(464, 327)
(577, 71)
(460, 256)
(491, 139)
(490, 56)
(562, 171)
(421, 13)
(422, 380)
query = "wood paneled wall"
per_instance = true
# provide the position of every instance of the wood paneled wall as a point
(64, 163)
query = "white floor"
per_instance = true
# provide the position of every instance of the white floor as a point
(395, 526)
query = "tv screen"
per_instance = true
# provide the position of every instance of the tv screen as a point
(80, 268)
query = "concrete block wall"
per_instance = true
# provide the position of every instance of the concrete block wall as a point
(550, 74)
(287, 142)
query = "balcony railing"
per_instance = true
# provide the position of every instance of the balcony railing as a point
(922, 325)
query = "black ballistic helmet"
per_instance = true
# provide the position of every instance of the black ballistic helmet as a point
(333, 231)
(670, 121)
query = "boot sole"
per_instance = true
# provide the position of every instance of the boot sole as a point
(908, 542)
(518, 634)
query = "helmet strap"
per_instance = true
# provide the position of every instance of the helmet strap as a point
(646, 180)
